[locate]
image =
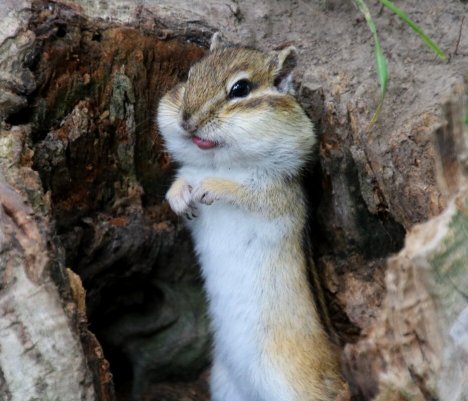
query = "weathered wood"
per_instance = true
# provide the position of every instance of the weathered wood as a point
(79, 84)
(41, 346)
(41, 354)
(417, 347)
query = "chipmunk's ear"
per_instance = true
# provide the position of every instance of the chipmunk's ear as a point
(217, 42)
(285, 61)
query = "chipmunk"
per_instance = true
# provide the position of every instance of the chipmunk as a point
(242, 139)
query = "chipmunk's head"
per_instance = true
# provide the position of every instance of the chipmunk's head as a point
(237, 110)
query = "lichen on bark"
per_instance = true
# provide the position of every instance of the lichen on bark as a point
(80, 82)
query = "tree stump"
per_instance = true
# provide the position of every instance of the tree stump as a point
(91, 255)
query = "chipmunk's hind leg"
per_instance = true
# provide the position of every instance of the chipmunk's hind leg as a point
(223, 388)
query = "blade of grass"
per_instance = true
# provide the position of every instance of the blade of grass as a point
(415, 27)
(380, 60)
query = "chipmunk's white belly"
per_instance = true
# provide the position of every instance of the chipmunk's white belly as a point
(235, 248)
(232, 247)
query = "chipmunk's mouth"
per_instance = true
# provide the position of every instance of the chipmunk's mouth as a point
(203, 143)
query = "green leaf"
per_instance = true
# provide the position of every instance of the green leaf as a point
(466, 119)
(415, 27)
(380, 60)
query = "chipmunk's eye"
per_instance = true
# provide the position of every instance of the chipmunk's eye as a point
(240, 89)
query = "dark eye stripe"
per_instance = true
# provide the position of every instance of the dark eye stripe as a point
(240, 89)
(279, 103)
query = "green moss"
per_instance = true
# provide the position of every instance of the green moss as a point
(405, 394)
(449, 263)
(122, 93)
(6, 147)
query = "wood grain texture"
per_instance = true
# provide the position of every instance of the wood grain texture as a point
(79, 84)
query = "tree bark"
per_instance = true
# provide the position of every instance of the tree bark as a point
(46, 350)
(417, 346)
(83, 175)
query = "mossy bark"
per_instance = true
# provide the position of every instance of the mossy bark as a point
(84, 175)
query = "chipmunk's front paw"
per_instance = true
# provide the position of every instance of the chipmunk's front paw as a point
(204, 194)
(214, 189)
(179, 197)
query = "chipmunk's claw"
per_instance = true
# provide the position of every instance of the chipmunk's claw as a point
(191, 213)
(203, 195)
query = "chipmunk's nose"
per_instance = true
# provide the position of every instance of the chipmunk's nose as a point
(188, 125)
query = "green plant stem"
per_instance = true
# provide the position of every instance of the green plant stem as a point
(415, 27)
(380, 60)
